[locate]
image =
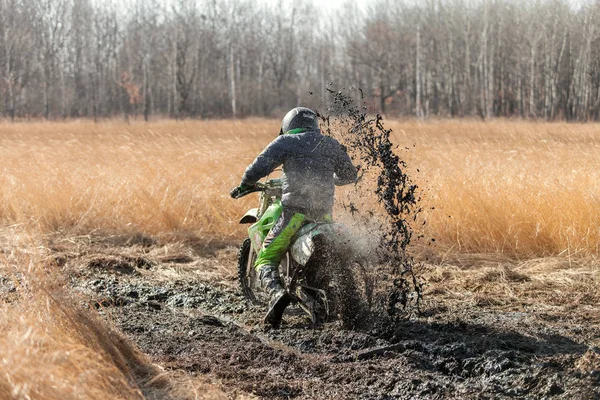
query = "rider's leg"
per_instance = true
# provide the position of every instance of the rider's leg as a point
(267, 262)
(278, 239)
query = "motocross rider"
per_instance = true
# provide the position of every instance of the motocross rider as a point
(313, 164)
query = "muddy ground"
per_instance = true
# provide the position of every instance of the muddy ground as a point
(181, 305)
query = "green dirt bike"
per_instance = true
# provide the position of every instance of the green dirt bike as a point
(321, 271)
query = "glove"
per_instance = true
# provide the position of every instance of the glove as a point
(237, 191)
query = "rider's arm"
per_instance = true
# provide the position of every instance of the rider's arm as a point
(345, 172)
(270, 158)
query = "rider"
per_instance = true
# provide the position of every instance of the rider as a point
(312, 165)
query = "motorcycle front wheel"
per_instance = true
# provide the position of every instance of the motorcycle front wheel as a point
(248, 276)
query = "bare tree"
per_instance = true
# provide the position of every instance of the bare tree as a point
(16, 46)
(51, 28)
(222, 58)
(185, 31)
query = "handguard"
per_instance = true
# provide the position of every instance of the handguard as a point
(241, 191)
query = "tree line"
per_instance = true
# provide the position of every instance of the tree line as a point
(236, 58)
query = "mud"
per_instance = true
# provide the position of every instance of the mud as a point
(368, 141)
(186, 312)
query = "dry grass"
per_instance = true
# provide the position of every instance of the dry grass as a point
(55, 348)
(165, 178)
(504, 193)
(524, 189)
(490, 280)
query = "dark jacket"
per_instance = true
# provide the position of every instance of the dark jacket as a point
(312, 165)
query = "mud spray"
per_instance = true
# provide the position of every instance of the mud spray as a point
(368, 141)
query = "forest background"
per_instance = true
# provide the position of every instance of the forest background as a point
(234, 58)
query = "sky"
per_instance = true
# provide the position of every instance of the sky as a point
(328, 5)
(333, 4)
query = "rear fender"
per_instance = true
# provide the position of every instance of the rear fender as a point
(250, 217)
(304, 244)
(303, 248)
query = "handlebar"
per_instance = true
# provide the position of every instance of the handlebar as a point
(272, 184)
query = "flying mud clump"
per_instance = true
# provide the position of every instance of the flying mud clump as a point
(368, 141)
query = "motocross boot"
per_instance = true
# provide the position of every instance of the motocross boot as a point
(280, 298)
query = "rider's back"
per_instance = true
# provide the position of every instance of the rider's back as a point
(312, 165)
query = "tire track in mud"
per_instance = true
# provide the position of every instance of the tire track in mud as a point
(207, 328)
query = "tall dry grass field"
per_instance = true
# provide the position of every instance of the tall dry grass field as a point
(525, 189)
(164, 179)
(516, 189)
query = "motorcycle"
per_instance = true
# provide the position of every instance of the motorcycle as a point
(321, 271)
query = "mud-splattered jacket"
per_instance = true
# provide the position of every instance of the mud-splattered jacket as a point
(313, 164)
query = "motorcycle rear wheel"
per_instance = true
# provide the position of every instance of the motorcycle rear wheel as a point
(348, 287)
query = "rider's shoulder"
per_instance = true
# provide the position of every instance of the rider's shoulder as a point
(278, 140)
